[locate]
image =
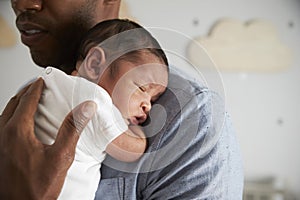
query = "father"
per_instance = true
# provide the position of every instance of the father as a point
(192, 152)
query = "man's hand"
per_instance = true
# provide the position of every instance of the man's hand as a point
(28, 168)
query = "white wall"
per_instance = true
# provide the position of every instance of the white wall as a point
(15, 62)
(264, 106)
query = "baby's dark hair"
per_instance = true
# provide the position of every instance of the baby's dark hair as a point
(121, 39)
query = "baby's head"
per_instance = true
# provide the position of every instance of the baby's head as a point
(128, 62)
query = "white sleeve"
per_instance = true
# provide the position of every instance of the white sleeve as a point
(105, 126)
(62, 93)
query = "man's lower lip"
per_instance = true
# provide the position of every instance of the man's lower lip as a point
(31, 39)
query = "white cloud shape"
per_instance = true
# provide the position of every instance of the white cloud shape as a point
(250, 46)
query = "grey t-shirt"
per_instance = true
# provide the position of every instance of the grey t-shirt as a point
(192, 151)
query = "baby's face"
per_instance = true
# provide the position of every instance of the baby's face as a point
(136, 86)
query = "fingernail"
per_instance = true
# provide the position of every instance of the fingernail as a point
(88, 109)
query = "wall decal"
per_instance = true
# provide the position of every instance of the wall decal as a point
(251, 46)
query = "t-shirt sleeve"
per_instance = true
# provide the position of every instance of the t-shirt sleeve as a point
(107, 123)
(61, 94)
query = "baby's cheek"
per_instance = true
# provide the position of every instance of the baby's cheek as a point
(133, 105)
(124, 106)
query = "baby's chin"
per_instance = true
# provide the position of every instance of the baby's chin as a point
(133, 121)
(130, 122)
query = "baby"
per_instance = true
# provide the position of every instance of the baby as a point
(122, 68)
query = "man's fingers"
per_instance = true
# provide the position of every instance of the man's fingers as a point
(72, 127)
(11, 106)
(29, 101)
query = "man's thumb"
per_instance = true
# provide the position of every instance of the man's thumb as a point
(73, 125)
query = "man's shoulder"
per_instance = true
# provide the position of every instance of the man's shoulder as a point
(186, 114)
(191, 145)
(184, 91)
(186, 98)
(180, 81)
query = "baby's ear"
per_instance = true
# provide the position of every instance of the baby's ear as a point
(93, 64)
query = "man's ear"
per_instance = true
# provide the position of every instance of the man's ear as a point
(93, 65)
(109, 9)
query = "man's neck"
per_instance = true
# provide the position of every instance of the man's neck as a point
(66, 69)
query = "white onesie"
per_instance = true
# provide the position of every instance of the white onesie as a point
(61, 94)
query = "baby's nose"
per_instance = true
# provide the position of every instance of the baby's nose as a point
(146, 107)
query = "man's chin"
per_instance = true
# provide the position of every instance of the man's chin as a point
(41, 60)
(36, 57)
(40, 64)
